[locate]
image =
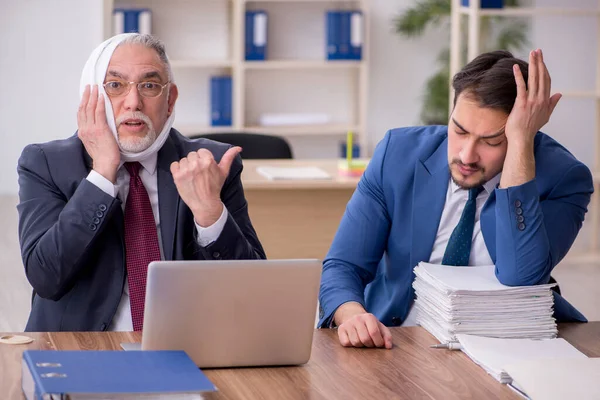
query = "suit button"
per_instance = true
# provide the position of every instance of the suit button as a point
(521, 226)
(93, 227)
(396, 321)
(96, 220)
(519, 211)
(102, 207)
(518, 203)
(99, 214)
(102, 327)
(216, 254)
(520, 218)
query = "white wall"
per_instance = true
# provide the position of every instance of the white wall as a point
(570, 46)
(43, 46)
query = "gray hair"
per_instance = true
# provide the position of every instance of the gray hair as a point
(153, 43)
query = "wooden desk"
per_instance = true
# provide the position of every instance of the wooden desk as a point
(296, 219)
(410, 370)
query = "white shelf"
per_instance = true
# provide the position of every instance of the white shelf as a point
(296, 130)
(188, 130)
(304, 130)
(586, 94)
(529, 11)
(302, 64)
(201, 63)
(302, 1)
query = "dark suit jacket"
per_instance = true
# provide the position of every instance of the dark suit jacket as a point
(392, 219)
(71, 232)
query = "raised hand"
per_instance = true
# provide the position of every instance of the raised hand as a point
(533, 105)
(95, 134)
(199, 180)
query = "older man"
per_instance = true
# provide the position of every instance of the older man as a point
(95, 209)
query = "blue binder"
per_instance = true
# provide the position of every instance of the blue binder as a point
(332, 22)
(344, 35)
(132, 20)
(486, 3)
(356, 35)
(255, 35)
(102, 373)
(221, 101)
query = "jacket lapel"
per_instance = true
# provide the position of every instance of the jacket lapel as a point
(168, 197)
(429, 196)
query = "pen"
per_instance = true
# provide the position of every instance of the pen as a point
(448, 345)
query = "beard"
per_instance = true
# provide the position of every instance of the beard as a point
(136, 144)
(460, 180)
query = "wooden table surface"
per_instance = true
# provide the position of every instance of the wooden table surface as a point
(411, 370)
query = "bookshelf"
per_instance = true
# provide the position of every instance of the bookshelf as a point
(206, 38)
(473, 14)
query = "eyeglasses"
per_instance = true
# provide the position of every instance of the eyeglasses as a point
(145, 89)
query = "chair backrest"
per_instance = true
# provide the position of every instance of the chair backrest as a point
(255, 146)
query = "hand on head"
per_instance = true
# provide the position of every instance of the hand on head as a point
(533, 105)
(199, 180)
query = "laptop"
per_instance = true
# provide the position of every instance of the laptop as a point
(233, 313)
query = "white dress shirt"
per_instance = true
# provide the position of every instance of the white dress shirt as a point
(456, 198)
(122, 320)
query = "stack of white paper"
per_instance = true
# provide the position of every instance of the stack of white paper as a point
(470, 300)
(292, 173)
(574, 378)
(494, 354)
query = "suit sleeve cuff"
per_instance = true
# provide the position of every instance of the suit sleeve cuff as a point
(101, 183)
(210, 234)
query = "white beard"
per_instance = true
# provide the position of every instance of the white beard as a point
(135, 144)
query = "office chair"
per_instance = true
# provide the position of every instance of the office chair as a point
(255, 146)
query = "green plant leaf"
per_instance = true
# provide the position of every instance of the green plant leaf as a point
(415, 20)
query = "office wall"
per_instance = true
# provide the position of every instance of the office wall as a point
(44, 44)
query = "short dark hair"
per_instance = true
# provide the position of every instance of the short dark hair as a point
(489, 79)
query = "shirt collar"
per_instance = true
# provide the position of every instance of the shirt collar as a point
(489, 186)
(148, 163)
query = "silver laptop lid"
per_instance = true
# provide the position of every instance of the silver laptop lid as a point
(233, 313)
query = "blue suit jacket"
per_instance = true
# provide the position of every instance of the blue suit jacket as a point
(71, 232)
(392, 219)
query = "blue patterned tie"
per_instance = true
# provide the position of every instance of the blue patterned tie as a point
(458, 249)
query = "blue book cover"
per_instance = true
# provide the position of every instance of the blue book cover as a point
(344, 35)
(331, 49)
(255, 35)
(220, 101)
(356, 35)
(486, 3)
(132, 20)
(100, 373)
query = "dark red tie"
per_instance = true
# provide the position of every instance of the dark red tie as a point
(141, 242)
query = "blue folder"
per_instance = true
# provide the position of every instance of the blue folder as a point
(102, 373)
(255, 35)
(344, 35)
(132, 20)
(220, 101)
(486, 3)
